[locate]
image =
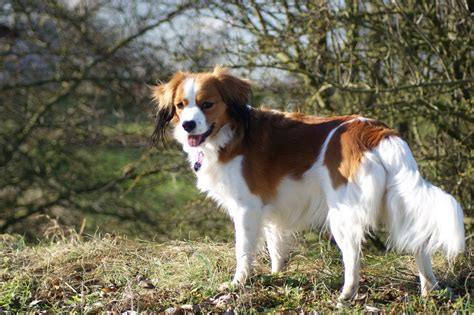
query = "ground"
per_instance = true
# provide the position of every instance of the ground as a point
(113, 273)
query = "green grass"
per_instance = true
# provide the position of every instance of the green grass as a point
(112, 273)
(162, 206)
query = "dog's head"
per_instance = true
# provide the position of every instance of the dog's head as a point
(200, 104)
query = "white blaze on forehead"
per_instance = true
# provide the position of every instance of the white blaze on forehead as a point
(190, 88)
(192, 111)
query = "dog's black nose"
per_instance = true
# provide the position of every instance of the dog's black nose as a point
(189, 125)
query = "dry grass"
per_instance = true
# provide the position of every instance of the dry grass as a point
(113, 273)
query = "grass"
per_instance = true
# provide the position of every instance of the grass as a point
(113, 273)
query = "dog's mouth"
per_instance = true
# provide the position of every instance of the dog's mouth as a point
(195, 140)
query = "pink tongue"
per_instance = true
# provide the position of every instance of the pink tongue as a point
(194, 140)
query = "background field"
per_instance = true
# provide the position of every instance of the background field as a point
(77, 171)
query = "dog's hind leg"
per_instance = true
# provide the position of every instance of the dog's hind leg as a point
(427, 278)
(278, 244)
(348, 236)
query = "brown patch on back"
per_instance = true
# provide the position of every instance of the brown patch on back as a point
(279, 145)
(348, 145)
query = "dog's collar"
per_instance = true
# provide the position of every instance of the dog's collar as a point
(198, 163)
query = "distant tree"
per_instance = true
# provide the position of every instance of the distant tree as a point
(68, 71)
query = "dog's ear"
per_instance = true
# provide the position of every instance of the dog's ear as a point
(163, 96)
(236, 93)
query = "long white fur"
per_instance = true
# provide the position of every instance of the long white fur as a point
(420, 216)
(387, 190)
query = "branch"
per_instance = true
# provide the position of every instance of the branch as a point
(405, 87)
(103, 186)
(33, 121)
(423, 36)
(98, 187)
(141, 32)
(65, 79)
(361, 90)
(144, 218)
(30, 212)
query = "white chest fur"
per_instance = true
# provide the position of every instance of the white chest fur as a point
(225, 183)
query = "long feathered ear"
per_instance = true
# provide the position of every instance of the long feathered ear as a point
(237, 94)
(164, 114)
(163, 96)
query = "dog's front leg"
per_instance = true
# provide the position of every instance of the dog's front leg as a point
(248, 226)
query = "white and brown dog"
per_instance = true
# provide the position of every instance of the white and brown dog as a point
(278, 173)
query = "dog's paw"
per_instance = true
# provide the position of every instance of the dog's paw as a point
(342, 303)
(230, 286)
(430, 289)
(345, 300)
(227, 287)
(437, 292)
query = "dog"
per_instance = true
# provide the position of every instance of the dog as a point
(278, 173)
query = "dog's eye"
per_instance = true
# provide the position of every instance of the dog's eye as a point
(207, 105)
(180, 105)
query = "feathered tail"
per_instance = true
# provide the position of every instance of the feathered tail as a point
(420, 216)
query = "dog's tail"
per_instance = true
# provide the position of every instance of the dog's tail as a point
(420, 216)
